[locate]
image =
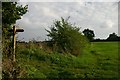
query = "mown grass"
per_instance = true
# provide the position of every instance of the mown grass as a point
(100, 60)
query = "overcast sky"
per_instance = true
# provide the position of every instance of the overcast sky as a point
(102, 17)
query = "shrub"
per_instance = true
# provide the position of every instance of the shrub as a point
(66, 38)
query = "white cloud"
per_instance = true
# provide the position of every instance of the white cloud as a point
(109, 23)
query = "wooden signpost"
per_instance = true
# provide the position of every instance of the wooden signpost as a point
(14, 30)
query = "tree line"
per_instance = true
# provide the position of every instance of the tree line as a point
(90, 36)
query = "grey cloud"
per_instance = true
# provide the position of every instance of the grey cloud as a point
(97, 16)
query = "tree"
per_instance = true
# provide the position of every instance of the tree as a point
(66, 37)
(113, 37)
(89, 34)
(11, 12)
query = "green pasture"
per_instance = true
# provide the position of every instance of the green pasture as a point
(100, 60)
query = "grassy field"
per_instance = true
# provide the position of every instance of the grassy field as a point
(100, 60)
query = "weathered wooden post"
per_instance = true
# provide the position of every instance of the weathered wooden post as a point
(14, 30)
(14, 42)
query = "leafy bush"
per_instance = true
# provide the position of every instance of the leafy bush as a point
(66, 38)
